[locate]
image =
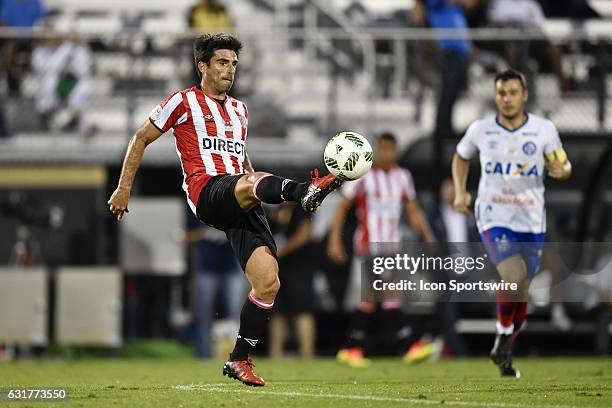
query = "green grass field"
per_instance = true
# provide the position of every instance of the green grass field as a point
(554, 383)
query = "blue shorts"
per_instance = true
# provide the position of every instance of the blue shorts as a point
(502, 243)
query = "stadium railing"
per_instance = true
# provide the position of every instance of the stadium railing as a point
(309, 82)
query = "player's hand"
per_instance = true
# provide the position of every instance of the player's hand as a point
(336, 252)
(462, 202)
(556, 169)
(118, 202)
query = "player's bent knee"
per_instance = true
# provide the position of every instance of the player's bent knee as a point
(249, 181)
(245, 188)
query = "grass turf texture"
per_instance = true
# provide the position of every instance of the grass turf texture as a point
(551, 383)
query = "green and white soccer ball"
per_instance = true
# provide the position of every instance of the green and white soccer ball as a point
(348, 155)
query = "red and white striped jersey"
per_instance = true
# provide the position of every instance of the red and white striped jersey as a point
(379, 197)
(209, 136)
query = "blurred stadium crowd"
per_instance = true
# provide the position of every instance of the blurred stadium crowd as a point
(79, 77)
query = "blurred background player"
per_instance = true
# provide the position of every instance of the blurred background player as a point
(454, 56)
(515, 148)
(526, 14)
(64, 70)
(449, 226)
(295, 299)
(217, 276)
(209, 16)
(380, 196)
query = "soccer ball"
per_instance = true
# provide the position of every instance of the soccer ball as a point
(348, 156)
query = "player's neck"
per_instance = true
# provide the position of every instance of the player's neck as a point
(513, 123)
(212, 92)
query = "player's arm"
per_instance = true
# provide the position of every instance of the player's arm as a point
(417, 219)
(559, 167)
(300, 238)
(335, 247)
(147, 134)
(248, 166)
(461, 168)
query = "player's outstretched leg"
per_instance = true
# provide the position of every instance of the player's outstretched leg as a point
(262, 272)
(267, 188)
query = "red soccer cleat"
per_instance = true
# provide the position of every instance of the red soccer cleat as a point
(353, 357)
(242, 370)
(318, 189)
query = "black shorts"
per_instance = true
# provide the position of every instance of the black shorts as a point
(245, 230)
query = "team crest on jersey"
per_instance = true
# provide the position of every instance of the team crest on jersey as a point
(529, 148)
(502, 244)
(492, 144)
(243, 120)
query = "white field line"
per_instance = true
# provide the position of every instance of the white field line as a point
(222, 388)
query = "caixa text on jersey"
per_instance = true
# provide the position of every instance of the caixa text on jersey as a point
(511, 169)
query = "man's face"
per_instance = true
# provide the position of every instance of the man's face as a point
(510, 98)
(386, 153)
(219, 72)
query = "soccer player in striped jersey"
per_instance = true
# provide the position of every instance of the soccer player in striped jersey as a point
(223, 190)
(380, 196)
(516, 150)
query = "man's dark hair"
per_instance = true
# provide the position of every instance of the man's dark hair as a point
(511, 74)
(386, 137)
(205, 46)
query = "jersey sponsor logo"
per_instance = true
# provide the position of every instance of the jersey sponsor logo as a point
(529, 134)
(517, 201)
(529, 148)
(492, 132)
(222, 145)
(511, 169)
